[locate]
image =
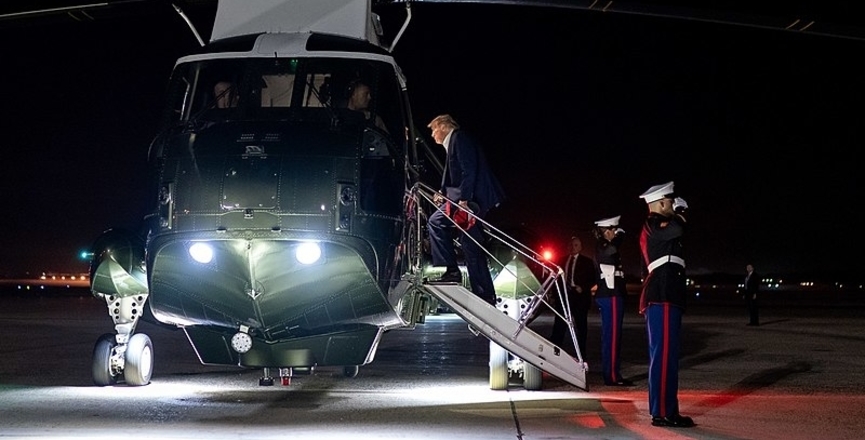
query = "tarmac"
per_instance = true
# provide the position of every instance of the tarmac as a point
(799, 375)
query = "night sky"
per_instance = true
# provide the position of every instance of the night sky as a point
(579, 112)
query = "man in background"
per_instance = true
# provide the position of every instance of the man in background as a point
(752, 285)
(579, 280)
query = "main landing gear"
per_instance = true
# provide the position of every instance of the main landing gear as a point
(503, 365)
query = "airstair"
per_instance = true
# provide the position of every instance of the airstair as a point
(520, 295)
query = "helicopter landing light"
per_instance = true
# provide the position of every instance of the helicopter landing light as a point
(308, 253)
(241, 342)
(201, 252)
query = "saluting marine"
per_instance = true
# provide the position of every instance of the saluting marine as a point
(610, 297)
(662, 301)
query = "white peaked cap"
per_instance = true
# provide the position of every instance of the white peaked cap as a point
(658, 192)
(609, 222)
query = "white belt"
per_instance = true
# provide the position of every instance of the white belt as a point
(666, 259)
(607, 274)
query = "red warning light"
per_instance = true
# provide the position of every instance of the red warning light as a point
(547, 254)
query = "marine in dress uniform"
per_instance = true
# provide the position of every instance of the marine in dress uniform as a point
(610, 297)
(662, 300)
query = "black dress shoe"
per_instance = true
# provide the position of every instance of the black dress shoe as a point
(674, 421)
(450, 277)
(620, 383)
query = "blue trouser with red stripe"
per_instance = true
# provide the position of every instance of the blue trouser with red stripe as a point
(663, 323)
(612, 309)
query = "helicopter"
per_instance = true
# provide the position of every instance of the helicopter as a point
(284, 230)
(277, 233)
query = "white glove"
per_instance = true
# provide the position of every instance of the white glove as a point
(679, 204)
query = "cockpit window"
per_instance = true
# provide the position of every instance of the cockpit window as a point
(277, 89)
(352, 90)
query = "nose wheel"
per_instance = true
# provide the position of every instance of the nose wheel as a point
(138, 360)
(103, 373)
(132, 361)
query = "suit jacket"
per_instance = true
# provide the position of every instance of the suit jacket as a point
(468, 176)
(582, 274)
(752, 284)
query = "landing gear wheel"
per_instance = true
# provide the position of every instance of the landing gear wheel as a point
(532, 377)
(498, 367)
(350, 370)
(101, 368)
(139, 360)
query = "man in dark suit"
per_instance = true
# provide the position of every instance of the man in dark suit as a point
(580, 278)
(752, 285)
(467, 181)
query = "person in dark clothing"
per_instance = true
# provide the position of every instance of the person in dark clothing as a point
(610, 297)
(225, 94)
(752, 286)
(359, 98)
(468, 182)
(662, 300)
(579, 280)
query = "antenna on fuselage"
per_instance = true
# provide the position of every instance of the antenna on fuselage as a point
(401, 29)
(189, 23)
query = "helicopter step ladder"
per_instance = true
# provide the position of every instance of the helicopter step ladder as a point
(509, 333)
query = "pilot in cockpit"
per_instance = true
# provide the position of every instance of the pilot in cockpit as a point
(359, 96)
(225, 94)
